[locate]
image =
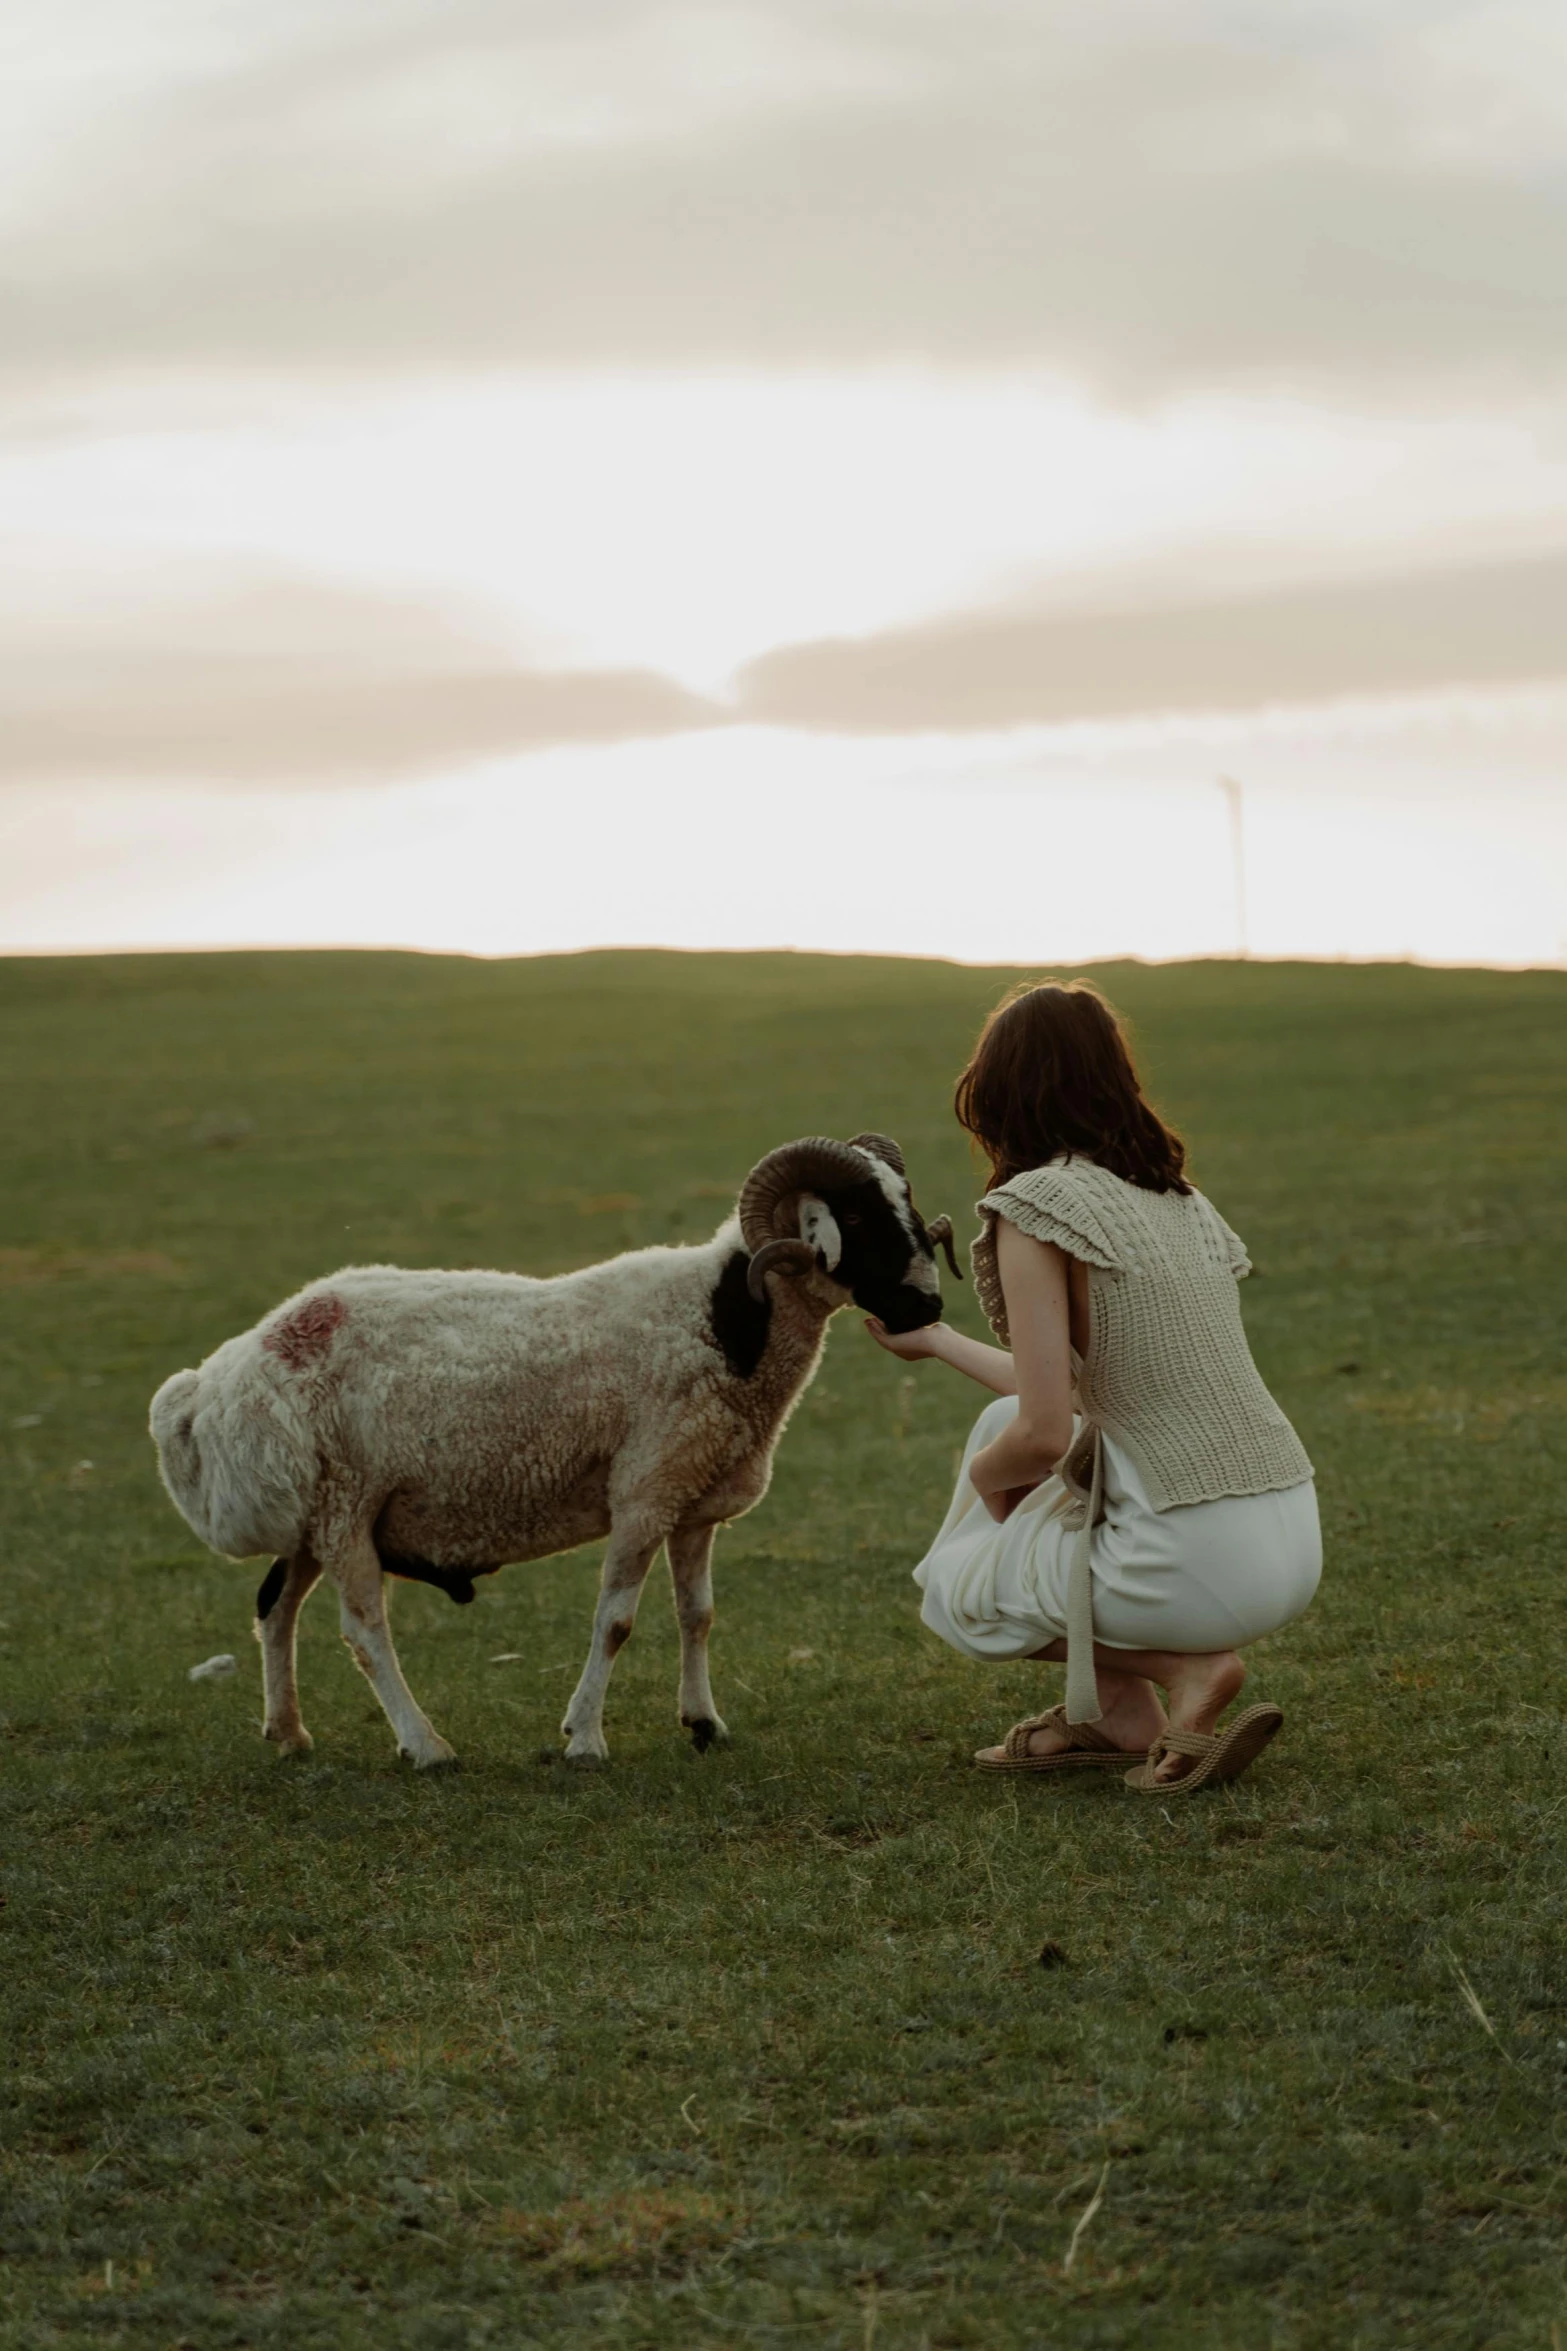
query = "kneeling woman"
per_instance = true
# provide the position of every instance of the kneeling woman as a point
(1135, 1503)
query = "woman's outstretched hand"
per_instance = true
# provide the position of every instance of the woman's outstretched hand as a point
(908, 1346)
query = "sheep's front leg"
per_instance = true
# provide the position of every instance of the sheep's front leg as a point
(362, 1609)
(278, 1603)
(626, 1563)
(691, 1573)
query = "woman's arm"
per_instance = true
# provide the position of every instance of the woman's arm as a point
(991, 1366)
(1035, 1284)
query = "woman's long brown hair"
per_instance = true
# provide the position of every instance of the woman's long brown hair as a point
(1052, 1073)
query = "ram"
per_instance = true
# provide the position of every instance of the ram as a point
(435, 1425)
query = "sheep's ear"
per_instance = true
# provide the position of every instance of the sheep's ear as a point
(819, 1227)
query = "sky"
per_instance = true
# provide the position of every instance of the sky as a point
(845, 474)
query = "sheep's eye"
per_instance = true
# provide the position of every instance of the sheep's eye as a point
(851, 1220)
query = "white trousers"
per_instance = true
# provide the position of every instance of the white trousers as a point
(1209, 1575)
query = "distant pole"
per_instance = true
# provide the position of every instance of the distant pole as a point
(1232, 793)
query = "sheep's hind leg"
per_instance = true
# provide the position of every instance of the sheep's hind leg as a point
(361, 1601)
(626, 1563)
(283, 1593)
(691, 1573)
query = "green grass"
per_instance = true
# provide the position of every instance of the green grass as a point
(757, 2048)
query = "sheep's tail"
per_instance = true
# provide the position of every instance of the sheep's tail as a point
(237, 1455)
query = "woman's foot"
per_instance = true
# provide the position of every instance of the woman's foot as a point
(1132, 1720)
(1199, 1692)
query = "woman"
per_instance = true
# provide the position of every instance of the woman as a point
(1136, 1503)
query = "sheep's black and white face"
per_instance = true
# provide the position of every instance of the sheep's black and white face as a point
(869, 1238)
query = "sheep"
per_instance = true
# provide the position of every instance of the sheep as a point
(434, 1425)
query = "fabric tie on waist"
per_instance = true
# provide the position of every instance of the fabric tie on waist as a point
(1082, 1683)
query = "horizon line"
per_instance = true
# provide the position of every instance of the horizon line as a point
(1404, 962)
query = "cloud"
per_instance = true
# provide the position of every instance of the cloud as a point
(276, 679)
(286, 680)
(1151, 196)
(1469, 625)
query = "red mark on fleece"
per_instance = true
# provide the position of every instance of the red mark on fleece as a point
(304, 1336)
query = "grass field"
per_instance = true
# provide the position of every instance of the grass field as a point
(758, 2048)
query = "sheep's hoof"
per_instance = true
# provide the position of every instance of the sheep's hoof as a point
(707, 1730)
(586, 1749)
(431, 1756)
(295, 1740)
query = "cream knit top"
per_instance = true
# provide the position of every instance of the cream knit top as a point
(1167, 1374)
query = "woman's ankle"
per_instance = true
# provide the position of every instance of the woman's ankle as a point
(1207, 1684)
(1133, 1715)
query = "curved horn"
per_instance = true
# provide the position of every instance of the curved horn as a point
(884, 1148)
(939, 1230)
(777, 1257)
(807, 1166)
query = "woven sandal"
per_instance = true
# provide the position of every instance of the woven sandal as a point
(1089, 1749)
(1223, 1755)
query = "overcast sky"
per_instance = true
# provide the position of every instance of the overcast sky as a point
(597, 434)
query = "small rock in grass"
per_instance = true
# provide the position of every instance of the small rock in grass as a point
(28, 1420)
(80, 1472)
(214, 1669)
